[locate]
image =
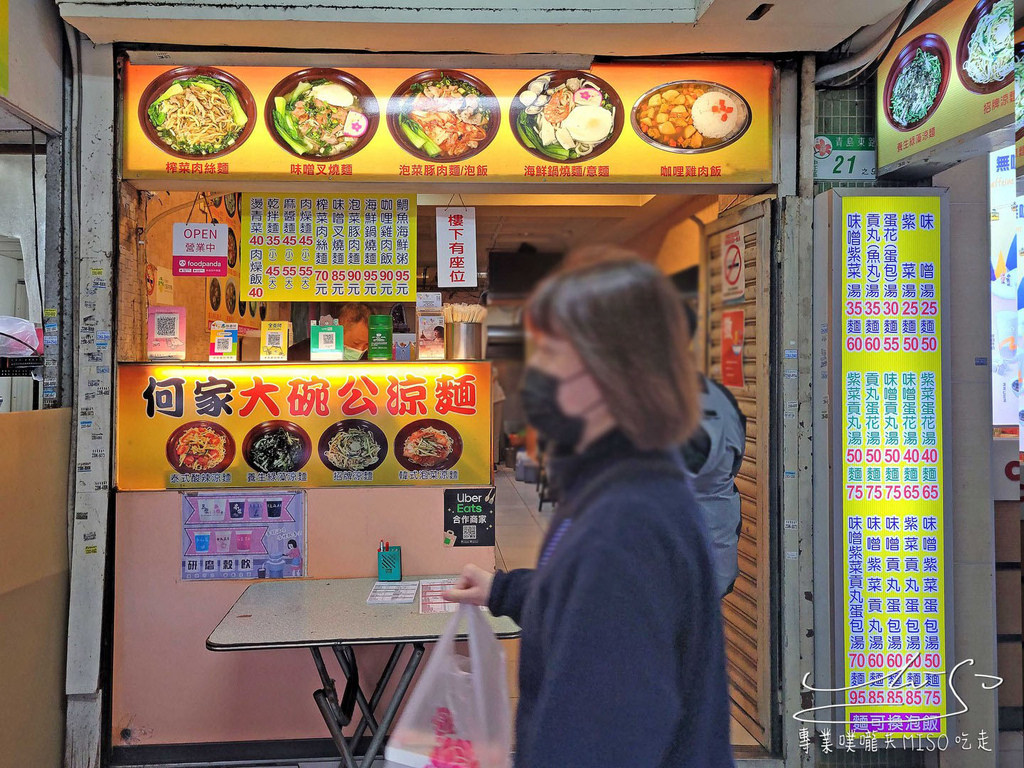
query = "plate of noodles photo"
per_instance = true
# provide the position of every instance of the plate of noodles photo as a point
(197, 112)
(353, 445)
(428, 444)
(200, 446)
(984, 53)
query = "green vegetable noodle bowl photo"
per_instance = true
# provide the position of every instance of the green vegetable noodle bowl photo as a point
(917, 82)
(321, 114)
(197, 112)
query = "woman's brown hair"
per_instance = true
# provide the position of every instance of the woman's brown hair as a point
(625, 320)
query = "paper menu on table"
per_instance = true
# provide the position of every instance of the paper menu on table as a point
(393, 593)
(432, 593)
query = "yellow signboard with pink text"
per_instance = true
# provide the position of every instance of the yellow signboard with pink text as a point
(686, 122)
(950, 76)
(303, 426)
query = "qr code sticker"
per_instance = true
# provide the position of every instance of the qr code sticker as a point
(274, 338)
(469, 532)
(166, 326)
(222, 344)
(327, 340)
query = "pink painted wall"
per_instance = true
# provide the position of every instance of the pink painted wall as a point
(168, 689)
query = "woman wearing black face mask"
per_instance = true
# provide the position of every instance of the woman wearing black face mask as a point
(622, 655)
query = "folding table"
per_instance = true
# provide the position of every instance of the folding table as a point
(333, 614)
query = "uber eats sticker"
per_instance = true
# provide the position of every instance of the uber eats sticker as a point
(469, 517)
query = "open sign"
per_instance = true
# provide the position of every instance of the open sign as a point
(200, 250)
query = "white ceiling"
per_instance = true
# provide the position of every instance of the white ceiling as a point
(791, 25)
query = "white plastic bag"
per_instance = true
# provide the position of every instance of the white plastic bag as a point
(18, 338)
(458, 715)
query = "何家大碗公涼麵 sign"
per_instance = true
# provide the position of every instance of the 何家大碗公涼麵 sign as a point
(305, 426)
(894, 655)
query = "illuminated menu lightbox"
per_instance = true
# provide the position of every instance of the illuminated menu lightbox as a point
(891, 509)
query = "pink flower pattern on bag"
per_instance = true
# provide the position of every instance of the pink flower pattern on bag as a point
(453, 753)
(449, 751)
(444, 724)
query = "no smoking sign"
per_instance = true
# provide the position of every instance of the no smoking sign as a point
(733, 278)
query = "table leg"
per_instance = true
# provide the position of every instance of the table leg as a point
(368, 708)
(327, 702)
(392, 709)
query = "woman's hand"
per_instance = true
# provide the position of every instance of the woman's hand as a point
(473, 587)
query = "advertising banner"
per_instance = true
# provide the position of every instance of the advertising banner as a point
(893, 587)
(1004, 278)
(947, 77)
(688, 122)
(1018, 90)
(733, 327)
(299, 247)
(242, 536)
(307, 426)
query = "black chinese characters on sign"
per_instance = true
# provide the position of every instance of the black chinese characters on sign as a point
(469, 514)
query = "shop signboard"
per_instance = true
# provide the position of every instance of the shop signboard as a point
(1004, 278)
(1018, 89)
(303, 425)
(889, 495)
(456, 247)
(243, 535)
(844, 158)
(328, 247)
(674, 123)
(950, 77)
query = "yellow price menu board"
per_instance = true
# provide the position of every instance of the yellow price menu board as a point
(303, 425)
(309, 247)
(893, 582)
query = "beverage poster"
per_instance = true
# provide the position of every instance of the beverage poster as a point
(243, 535)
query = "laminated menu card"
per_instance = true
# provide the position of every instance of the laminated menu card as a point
(166, 333)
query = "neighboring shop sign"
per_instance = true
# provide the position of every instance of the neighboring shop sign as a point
(456, 247)
(1004, 280)
(200, 250)
(689, 122)
(734, 282)
(1018, 89)
(313, 426)
(948, 77)
(1006, 482)
(891, 508)
(733, 327)
(469, 516)
(328, 247)
(243, 536)
(844, 158)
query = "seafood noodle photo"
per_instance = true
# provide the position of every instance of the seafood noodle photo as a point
(989, 51)
(199, 448)
(691, 116)
(566, 116)
(198, 115)
(916, 89)
(428, 447)
(353, 448)
(444, 118)
(321, 118)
